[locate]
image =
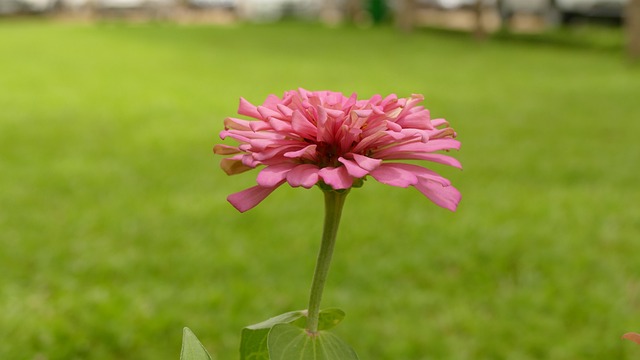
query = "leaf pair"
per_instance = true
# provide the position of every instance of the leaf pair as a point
(284, 337)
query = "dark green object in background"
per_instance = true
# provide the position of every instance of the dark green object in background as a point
(378, 10)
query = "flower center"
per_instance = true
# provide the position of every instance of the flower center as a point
(327, 155)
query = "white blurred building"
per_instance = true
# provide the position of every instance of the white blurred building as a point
(554, 11)
(255, 10)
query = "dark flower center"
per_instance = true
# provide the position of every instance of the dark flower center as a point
(327, 155)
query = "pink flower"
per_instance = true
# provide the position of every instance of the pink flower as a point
(635, 337)
(322, 137)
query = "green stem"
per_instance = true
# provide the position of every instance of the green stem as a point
(333, 203)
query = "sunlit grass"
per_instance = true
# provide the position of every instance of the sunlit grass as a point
(115, 234)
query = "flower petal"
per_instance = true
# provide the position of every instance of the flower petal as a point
(303, 126)
(421, 173)
(323, 128)
(271, 101)
(447, 197)
(336, 177)
(308, 152)
(393, 126)
(439, 122)
(221, 149)
(305, 175)
(234, 165)
(274, 174)
(394, 175)
(366, 162)
(237, 124)
(352, 168)
(436, 158)
(248, 109)
(429, 146)
(417, 120)
(247, 199)
(266, 113)
(284, 110)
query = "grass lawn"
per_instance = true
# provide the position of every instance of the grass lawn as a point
(115, 232)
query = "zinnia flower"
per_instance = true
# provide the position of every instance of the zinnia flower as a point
(325, 138)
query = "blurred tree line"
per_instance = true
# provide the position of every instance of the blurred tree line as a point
(406, 10)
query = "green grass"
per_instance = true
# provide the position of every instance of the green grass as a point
(115, 232)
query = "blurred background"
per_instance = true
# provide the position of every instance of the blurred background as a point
(492, 14)
(114, 228)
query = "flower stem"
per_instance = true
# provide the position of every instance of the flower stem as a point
(333, 202)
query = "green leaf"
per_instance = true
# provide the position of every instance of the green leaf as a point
(285, 318)
(286, 342)
(192, 348)
(329, 318)
(253, 343)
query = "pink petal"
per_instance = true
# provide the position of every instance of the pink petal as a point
(271, 101)
(265, 112)
(447, 197)
(248, 109)
(362, 112)
(368, 141)
(260, 144)
(393, 126)
(344, 138)
(352, 168)
(393, 175)
(417, 120)
(439, 122)
(337, 178)
(350, 101)
(274, 174)
(247, 136)
(305, 175)
(274, 152)
(237, 124)
(335, 113)
(378, 110)
(366, 162)
(421, 173)
(439, 158)
(407, 134)
(249, 198)
(249, 161)
(323, 127)
(376, 98)
(436, 158)
(308, 152)
(429, 146)
(303, 126)
(279, 125)
(259, 126)
(443, 133)
(285, 110)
